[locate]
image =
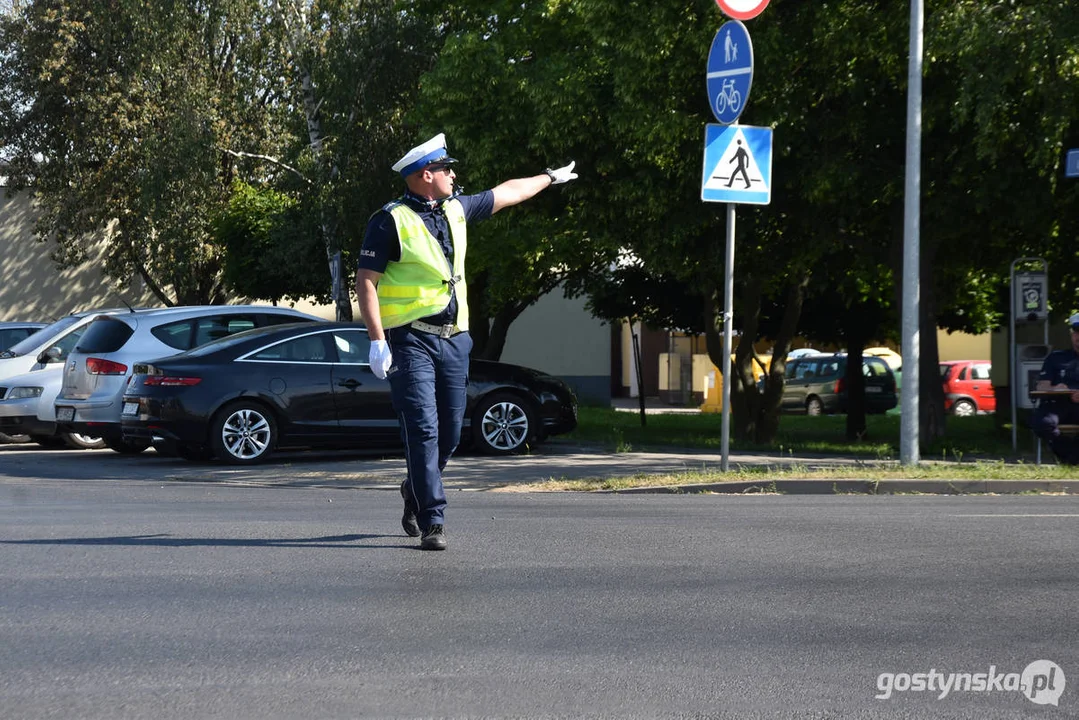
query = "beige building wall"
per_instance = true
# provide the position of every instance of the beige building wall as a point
(31, 286)
(559, 336)
(962, 346)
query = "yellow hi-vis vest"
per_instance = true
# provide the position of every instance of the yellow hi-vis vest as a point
(421, 282)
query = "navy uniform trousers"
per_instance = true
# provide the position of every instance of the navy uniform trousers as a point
(1044, 421)
(428, 381)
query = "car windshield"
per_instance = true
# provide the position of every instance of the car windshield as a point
(42, 336)
(944, 369)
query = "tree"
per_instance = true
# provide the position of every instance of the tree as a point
(111, 114)
(272, 248)
(353, 65)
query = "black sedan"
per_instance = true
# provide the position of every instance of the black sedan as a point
(298, 385)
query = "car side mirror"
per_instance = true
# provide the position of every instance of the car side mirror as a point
(53, 354)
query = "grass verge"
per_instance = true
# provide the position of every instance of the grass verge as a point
(967, 437)
(767, 476)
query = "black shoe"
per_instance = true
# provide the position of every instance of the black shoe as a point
(434, 538)
(408, 519)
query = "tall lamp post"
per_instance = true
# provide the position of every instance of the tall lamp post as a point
(908, 441)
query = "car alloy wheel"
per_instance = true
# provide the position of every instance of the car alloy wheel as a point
(244, 433)
(502, 424)
(82, 442)
(964, 408)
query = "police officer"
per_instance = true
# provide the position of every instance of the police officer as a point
(1060, 373)
(413, 299)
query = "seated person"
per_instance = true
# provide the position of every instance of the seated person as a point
(1060, 371)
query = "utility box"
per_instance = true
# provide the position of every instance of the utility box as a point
(1031, 292)
(1030, 359)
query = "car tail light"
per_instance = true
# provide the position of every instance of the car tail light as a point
(98, 366)
(170, 381)
(840, 384)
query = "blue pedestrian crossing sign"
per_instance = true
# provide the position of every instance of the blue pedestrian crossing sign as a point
(737, 164)
(730, 71)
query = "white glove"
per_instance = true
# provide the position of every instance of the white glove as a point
(380, 358)
(562, 174)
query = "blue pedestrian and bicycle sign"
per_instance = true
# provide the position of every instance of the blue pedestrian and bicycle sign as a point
(737, 164)
(730, 71)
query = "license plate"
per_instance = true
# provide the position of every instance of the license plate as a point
(871, 389)
(131, 408)
(65, 414)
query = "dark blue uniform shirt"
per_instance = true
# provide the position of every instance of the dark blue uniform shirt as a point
(381, 245)
(1061, 367)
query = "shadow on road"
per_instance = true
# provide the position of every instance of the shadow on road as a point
(164, 540)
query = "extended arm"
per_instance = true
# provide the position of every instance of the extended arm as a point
(518, 190)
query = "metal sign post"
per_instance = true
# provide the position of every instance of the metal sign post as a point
(728, 339)
(737, 159)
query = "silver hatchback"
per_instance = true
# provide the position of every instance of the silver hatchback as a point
(13, 332)
(97, 371)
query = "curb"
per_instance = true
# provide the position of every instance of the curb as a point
(867, 487)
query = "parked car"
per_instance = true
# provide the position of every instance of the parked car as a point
(26, 408)
(13, 332)
(30, 379)
(816, 384)
(244, 396)
(97, 370)
(27, 354)
(967, 387)
(894, 359)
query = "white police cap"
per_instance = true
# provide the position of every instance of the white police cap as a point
(1073, 321)
(419, 157)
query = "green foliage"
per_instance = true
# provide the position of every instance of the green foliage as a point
(351, 67)
(973, 437)
(111, 113)
(272, 249)
(138, 118)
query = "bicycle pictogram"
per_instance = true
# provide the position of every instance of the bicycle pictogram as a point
(728, 96)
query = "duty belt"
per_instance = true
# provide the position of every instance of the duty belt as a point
(443, 331)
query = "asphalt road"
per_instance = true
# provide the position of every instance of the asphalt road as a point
(135, 597)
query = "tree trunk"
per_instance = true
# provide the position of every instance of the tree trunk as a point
(479, 316)
(931, 418)
(745, 398)
(327, 174)
(859, 328)
(774, 380)
(855, 382)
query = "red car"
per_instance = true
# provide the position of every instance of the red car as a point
(967, 388)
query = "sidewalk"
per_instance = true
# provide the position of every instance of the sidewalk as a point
(652, 406)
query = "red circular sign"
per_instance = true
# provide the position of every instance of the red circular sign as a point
(742, 9)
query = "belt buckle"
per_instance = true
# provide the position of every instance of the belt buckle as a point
(445, 331)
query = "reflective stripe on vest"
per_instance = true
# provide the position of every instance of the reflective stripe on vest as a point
(420, 283)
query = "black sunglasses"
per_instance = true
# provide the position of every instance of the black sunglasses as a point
(440, 168)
